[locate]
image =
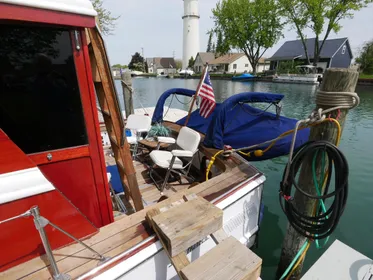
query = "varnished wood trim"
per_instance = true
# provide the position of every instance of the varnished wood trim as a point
(60, 155)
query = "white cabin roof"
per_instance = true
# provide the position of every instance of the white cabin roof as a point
(81, 7)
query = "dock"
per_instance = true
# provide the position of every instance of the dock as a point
(341, 262)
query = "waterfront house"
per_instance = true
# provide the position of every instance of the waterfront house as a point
(161, 65)
(115, 72)
(335, 53)
(237, 63)
(201, 59)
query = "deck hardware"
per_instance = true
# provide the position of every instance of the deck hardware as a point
(40, 223)
(77, 41)
(49, 156)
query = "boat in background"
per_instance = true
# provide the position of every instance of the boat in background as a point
(307, 76)
(235, 122)
(245, 77)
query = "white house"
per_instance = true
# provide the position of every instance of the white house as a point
(201, 59)
(237, 63)
(161, 65)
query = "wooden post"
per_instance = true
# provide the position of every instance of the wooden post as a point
(335, 80)
(127, 93)
(196, 94)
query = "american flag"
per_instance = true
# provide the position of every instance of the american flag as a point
(206, 93)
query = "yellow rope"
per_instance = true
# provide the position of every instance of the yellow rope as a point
(259, 153)
(299, 261)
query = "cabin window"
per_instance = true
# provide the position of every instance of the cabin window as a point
(344, 49)
(246, 65)
(40, 105)
(234, 66)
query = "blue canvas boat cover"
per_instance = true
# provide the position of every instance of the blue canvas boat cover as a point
(238, 124)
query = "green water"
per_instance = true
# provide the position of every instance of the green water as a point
(356, 226)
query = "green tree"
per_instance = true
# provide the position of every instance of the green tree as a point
(209, 43)
(179, 63)
(317, 14)
(106, 21)
(120, 66)
(220, 48)
(191, 62)
(249, 26)
(137, 63)
(365, 58)
(213, 48)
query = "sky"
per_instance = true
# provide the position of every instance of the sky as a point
(156, 27)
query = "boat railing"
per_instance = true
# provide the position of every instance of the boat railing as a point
(40, 223)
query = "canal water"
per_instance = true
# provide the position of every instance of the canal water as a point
(356, 225)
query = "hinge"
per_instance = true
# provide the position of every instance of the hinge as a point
(77, 41)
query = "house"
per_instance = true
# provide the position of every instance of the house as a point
(237, 63)
(335, 53)
(116, 72)
(161, 65)
(201, 59)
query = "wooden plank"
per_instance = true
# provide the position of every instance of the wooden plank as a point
(227, 261)
(219, 236)
(106, 91)
(182, 231)
(179, 261)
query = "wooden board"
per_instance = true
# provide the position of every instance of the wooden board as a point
(227, 261)
(181, 231)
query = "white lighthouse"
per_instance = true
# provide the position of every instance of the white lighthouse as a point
(191, 31)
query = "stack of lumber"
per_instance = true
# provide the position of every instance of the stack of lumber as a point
(182, 224)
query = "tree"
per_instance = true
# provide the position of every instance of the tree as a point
(191, 62)
(179, 63)
(213, 48)
(209, 43)
(122, 66)
(315, 14)
(220, 48)
(250, 26)
(106, 21)
(137, 62)
(366, 58)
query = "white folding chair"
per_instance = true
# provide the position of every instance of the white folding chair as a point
(138, 125)
(188, 142)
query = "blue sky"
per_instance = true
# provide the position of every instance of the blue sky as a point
(156, 26)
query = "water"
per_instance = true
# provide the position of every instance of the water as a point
(356, 225)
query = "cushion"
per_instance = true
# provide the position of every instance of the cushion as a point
(163, 159)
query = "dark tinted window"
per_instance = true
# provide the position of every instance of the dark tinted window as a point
(40, 106)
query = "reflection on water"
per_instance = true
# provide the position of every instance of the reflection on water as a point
(356, 225)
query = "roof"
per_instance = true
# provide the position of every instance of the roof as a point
(206, 57)
(294, 49)
(161, 62)
(232, 57)
(227, 58)
(82, 7)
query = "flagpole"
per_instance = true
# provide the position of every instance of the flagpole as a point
(196, 94)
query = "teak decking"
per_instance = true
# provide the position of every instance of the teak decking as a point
(126, 232)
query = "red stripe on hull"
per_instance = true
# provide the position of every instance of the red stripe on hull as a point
(23, 13)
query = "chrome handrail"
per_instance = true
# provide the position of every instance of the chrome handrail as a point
(40, 223)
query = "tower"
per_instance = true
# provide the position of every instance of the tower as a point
(191, 31)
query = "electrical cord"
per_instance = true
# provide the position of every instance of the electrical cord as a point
(324, 222)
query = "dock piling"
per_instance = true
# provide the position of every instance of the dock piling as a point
(335, 80)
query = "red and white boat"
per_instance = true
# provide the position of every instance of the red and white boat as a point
(51, 157)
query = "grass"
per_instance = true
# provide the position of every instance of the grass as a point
(366, 76)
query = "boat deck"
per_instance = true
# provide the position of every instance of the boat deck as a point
(128, 231)
(118, 237)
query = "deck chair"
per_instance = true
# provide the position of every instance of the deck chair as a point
(188, 142)
(138, 125)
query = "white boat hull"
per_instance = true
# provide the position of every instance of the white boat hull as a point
(148, 261)
(297, 79)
